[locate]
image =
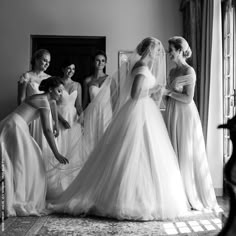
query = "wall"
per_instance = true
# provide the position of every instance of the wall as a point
(123, 22)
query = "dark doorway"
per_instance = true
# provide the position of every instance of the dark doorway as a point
(80, 49)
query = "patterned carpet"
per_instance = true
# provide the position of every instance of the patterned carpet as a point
(57, 225)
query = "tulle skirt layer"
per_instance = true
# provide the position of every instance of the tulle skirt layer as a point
(132, 173)
(185, 130)
(97, 118)
(24, 171)
(70, 143)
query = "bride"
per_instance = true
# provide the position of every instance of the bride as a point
(133, 172)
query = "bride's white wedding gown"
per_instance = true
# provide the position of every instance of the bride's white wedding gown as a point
(133, 171)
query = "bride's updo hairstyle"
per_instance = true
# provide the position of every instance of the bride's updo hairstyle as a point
(146, 46)
(180, 43)
(50, 83)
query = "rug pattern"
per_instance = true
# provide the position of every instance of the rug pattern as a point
(63, 225)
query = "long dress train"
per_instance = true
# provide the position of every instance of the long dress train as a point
(133, 172)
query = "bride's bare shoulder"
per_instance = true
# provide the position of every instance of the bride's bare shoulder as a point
(138, 65)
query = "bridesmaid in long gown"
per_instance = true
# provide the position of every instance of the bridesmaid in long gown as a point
(133, 172)
(70, 139)
(185, 129)
(97, 102)
(28, 85)
(24, 171)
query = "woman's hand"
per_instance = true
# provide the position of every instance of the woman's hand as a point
(81, 118)
(62, 159)
(167, 92)
(55, 132)
(65, 124)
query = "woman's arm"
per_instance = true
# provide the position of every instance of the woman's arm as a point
(44, 115)
(186, 96)
(136, 90)
(54, 111)
(64, 122)
(21, 91)
(85, 93)
(22, 87)
(188, 90)
(78, 101)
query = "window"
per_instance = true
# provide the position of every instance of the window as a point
(229, 71)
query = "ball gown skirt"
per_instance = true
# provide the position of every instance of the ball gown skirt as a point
(132, 173)
(185, 131)
(24, 171)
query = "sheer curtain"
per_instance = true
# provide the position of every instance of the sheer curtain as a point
(215, 110)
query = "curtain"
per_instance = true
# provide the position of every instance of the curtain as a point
(205, 69)
(215, 110)
(203, 31)
(198, 35)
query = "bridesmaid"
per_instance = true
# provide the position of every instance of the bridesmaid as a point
(24, 171)
(185, 130)
(97, 101)
(70, 135)
(28, 85)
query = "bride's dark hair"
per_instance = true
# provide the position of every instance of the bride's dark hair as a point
(50, 83)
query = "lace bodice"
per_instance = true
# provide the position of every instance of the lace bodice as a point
(33, 82)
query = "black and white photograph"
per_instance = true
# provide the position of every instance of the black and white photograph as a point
(118, 117)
